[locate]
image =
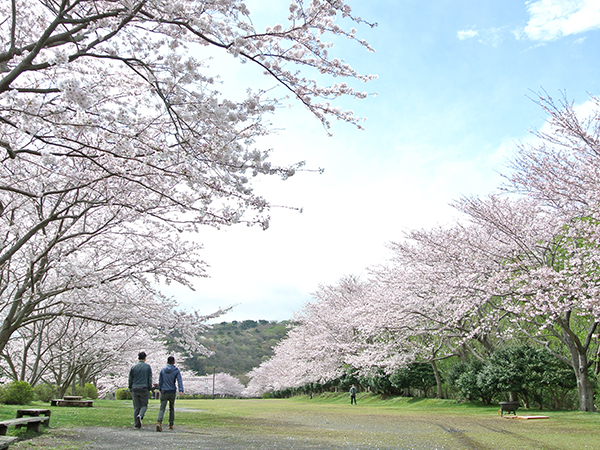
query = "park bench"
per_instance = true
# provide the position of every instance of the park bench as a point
(32, 412)
(5, 441)
(30, 417)
(71, 401)
(32, 423)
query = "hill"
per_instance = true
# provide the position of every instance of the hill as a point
(239, 346)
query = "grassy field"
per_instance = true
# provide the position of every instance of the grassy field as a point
(330, 420)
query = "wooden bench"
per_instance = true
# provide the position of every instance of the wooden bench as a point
(68, 401)
(32, 423)
(33, 412)
(5, 441)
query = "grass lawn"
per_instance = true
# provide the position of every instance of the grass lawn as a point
(330, 420)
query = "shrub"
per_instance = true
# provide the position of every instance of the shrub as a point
(417, 376)
(17, 393)
(463, 377)
(123, 394)
(87, 391)
(534, 375)
(45, 392)
(379, 383)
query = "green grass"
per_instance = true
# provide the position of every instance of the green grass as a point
(329, 419)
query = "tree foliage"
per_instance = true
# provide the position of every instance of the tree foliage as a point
(237, 347)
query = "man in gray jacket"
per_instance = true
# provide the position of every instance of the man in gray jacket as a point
(169, 375)
(140, 383)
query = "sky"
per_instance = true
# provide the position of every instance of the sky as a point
(456, 88)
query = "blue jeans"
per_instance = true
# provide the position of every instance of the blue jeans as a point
(140, 403)
(164, 398)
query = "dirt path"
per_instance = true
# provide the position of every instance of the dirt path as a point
(181, 439)
(301, 430)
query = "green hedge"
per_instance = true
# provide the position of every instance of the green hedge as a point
(123, 394)
(16, 393)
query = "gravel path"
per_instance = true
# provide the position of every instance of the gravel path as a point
(147, 439)
(181, 439)
(300, 430)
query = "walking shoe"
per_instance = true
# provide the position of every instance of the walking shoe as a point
(170, 427)
(138, 421)
(158, 426)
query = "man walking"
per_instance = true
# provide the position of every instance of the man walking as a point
(169, 376)
(140, 383)
(353, 395)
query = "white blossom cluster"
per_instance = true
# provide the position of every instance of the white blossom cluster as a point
(73, 92)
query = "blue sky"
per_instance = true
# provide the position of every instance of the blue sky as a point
(454, 93)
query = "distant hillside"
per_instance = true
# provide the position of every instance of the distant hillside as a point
(239, 346)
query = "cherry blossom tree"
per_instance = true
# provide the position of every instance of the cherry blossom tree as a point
(549, 283)
(523, 264)
(408, 319)
(318, 346)
(551, 279)
(117, 140)
(65, 351)
(97, 90)
(220, 384)
(560, 166)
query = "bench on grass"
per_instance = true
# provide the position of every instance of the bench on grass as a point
(32, 423)
(33, 412)
(5, 441)
(72, 400)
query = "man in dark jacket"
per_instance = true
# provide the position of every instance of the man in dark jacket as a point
(169, 375)
(140, 383)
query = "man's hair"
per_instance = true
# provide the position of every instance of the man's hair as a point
(171, 360)
(141, 355)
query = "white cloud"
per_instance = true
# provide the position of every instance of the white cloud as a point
(489, 36)
(552, 19)
(467, 34)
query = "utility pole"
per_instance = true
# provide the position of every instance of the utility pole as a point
(213, 392)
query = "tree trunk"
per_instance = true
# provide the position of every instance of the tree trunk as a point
(585, 389)
(438, 380)
(579, 362)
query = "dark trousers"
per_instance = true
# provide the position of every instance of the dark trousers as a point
(353, 399)
(140, 403)
(164, 398)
